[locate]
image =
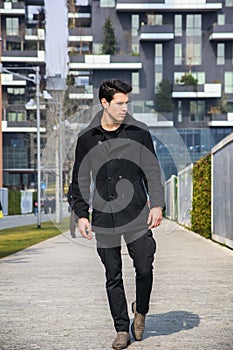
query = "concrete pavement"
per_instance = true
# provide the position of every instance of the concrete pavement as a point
(52, 296)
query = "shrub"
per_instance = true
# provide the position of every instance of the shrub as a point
(201, 206)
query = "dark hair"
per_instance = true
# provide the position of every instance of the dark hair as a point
(108, 88)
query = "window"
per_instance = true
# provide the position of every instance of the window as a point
(12, 26)
(135, 25)
(178, 25)
(193, 25)
(134, 34)
(16, 116)
(158, 64)
(135, 83)
(178, 54)
(197, 111)
(179, 114)
(229, 3)
(228, 81)
(154, 19)
(193, 40)
(221, 53)
(221, 19)
(16, 95)
(200, 76)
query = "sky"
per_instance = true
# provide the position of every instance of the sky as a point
(56, 37)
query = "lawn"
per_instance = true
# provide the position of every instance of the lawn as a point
(17, 238)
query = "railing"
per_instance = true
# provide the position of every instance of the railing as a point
(222, 191)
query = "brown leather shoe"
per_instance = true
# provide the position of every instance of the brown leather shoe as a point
(138, 324)
(122, 341)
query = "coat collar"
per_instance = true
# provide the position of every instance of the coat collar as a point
(95, 124)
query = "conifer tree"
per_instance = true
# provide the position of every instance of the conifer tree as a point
(109, 43)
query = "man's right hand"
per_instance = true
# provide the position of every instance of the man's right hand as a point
(84, 228)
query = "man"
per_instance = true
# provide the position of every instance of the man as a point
(116, 152)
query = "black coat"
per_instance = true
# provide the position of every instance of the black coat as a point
(125, 172)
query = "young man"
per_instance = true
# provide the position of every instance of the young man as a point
(116, 152)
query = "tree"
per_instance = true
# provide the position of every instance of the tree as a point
(109, 44)
(163, 97)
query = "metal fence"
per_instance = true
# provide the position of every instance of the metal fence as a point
(4, 200)
(222, 191)
(185, 195)
(171, 197)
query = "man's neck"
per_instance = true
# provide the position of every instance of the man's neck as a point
(107, 123)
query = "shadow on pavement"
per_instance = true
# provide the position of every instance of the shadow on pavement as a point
(170, 322)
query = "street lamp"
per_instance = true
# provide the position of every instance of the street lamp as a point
(35, 81)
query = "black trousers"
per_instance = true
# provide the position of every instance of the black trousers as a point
(142, 253)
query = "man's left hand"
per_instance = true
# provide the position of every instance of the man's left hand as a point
(155, 217)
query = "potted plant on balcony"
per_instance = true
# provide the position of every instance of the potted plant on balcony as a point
(189, 79)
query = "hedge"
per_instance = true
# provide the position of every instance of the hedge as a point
(201, 206)
(14, 198)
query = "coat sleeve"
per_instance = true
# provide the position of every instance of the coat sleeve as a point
(152, 172)
(81, 180)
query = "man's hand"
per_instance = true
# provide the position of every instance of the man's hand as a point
(155, 217)
(84, 228)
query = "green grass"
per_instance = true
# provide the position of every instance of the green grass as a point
(17, 238)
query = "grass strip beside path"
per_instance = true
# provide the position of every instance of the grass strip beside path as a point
(17, 238)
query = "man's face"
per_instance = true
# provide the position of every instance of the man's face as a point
(117, 108)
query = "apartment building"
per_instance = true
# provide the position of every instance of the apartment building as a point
(22, 49)
(187, 43)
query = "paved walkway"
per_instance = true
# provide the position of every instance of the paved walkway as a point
(52, 296)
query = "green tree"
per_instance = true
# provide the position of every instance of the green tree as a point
(163, 97)
(109, 43)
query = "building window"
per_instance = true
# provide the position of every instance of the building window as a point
(158, 64)
(135, 83)
(193, 40)
(135, 25)
(228, 81)
(178, 25)
(178, 54)
(16, 116)
(16, 95)
(179, 112)
(221, 19)
(107, 3)
(135, 34)
(229, 3)
(154, 20)
(12, 26)
(221, 53)
(197, 111)
(200, 76)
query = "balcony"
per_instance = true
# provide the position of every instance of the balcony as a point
(24, 56)
(35, 34)
(168, 5)
(105, 62)
(221, 119)
(80, 34)
(221, 32)
(25, 126)
(199, 91)
(156, 33)
(155, 120)
(8, 8)
(11, 80)
(82, 92)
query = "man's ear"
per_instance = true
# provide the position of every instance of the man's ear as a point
(104, 103)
